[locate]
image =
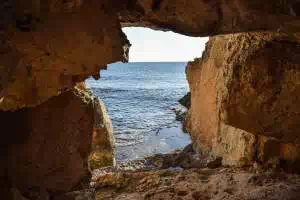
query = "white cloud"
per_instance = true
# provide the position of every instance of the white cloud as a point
(150, 45)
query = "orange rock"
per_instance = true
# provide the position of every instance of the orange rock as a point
(240, 91)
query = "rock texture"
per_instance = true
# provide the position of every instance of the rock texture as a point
(209, 134)
(53, 46)
(263, 84)
(186, 100)
(47, 148)
(203, 18)
(227, 184)
(55, 146)
(103, 145)
(242, 86)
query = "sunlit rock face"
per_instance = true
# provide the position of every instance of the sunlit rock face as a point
(263, 86)
(52, 46)
(103, 144)
(246, 85)
(210, 135)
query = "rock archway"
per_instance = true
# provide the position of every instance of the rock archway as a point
(47, 47)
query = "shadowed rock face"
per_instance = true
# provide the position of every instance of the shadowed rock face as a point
(53, 51)
(48, 149)
(263, 86)
(56, 143)
(203, 17)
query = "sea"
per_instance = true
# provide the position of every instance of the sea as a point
(140, 98)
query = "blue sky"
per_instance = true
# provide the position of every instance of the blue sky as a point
(149, 45)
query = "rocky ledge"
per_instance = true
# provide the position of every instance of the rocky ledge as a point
(179, 176)
(197, 184)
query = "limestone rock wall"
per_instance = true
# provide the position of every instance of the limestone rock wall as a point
(46, 54)
(47, 147)
(57, 140)
(245, 79)
(212, 137)
(263, 88)
(203, 18)
(103, 144)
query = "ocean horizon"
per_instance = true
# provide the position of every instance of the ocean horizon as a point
(140, 98)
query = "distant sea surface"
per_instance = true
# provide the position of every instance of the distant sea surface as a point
(139, 98)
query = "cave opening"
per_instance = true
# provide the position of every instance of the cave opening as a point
(142, 95)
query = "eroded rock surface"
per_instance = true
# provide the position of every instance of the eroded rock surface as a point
(197, 184)
(203, 18)
(262, 79)
(61, 43)
(47, 150)
(245, 84)
(56, 143)
(103, 145)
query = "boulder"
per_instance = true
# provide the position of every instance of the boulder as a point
(103, 144)
(186, 100)
(57, 135)
(48, 146)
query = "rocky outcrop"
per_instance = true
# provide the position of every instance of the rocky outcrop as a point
(209, 134)
(103, 145)
(48, 147)
(55, 146)
(241, 87)
(203, 18)
(53, 46)
(186, 100)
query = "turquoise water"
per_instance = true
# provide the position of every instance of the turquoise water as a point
(139, 98)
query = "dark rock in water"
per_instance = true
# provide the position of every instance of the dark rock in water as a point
(180, 115)
(186, 100)
(185, 159)
(215, 163)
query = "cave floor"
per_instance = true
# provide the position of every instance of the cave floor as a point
(197, 184)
